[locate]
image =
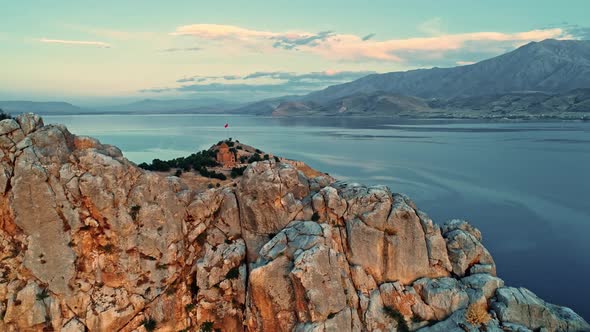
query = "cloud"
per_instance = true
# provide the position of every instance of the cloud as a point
(121, 35)
(220, 31)
(269, 83)
(227, 88)
(156, 90)
(289, 42)
(350, 47)
(464, 63)
(76, 42)
(579, 32)
(183, 49)
(328, 76)
(433, 26)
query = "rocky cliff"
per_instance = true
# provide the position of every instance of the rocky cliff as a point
(90, 242)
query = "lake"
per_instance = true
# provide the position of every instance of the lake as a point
(525, 185)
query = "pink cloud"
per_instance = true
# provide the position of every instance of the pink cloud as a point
(219, 31)
(352, 47)
(464, 63)
(75, 42)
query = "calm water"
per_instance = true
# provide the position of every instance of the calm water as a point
(525, 185)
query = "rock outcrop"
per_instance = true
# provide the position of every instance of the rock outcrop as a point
(88, 241)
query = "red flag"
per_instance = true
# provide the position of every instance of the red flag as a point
(226, 125)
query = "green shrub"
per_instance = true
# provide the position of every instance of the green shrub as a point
(134, 212)
(233, 273)
(178, 173)
(195, 161)
(201, 239)
(189, 307)
(42, 295)
(149, 324)
(160, 165)
(108, 248)
(4, 116)
(237, 171)
(207, 327)
(253, 158)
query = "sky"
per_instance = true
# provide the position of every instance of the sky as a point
(113, 51)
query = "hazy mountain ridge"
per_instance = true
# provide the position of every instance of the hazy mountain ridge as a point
(200, 105)
(549, 66)
(573, 104)
(548, 79)
(145, 106)
(48, 107)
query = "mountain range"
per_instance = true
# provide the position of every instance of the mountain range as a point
(549, 66)
(540, 79)
(547, 79)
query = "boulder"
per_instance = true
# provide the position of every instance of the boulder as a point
(465, 248)
(520, 306)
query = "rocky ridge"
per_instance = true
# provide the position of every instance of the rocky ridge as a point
(90, 242)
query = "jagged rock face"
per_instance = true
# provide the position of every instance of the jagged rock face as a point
(88, 241)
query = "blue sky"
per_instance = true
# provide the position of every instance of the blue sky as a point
(102, 51)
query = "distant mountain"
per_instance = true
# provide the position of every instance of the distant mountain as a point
(43, 108)
(200, 105)
(573, 104)
(549, 66)
(575, 101)
(543, 79)
(356, 105)
(264, 107)
(146, 106)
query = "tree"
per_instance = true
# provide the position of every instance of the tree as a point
(4, 116)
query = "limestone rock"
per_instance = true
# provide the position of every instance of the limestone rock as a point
(443, 295)
(521, 306)
(270, 196)
(465, 248)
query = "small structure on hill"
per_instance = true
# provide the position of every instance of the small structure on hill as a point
(225, 157)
